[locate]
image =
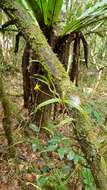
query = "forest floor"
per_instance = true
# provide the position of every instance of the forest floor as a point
(44, 157)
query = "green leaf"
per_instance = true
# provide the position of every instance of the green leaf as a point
(54, 8)
(35, 7)
(43, 7)
(67, 120)
(65, 170)
(88, 179)
(61, 152)
(50, 128)
(97, 116)
(52, 147)
(47, 102)
(45, 11)
(55, 140)
(34, 127)
(71, 155)
(74, 102)
(41, 181)
(77, 158)
(66, 141)
(90, 16)
(36, 145)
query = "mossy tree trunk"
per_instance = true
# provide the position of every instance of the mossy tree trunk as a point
(31, 66)
(7, 115)
(31, 69)
(7, 120)
(48, 59)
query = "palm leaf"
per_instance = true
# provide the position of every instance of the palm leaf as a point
(37, 9)
(43, 7)
(45, 11)
(93, 15)
(54, 8)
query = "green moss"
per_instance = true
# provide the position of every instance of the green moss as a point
(7, 115)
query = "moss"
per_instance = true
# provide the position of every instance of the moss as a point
(7, 119)
(7, 115)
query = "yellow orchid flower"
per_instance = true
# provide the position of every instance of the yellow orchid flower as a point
(37, 87)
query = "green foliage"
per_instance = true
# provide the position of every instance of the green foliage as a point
(51, 128)
(46, 12)
(54, 178)
(21, 121)
(91, 16)
(43, 8)
(39, 8)
(88, 180)
(54, 8)
(36, 144)
(45, 103)
(96, 112)
(34, 127)
(74, 102)
(56, 181)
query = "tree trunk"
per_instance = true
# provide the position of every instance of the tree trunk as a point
(48, 59)
(62, 47)
(26, 74)
(7, 115)
(30, 68)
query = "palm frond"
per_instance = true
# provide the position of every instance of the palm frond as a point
(54, 8)
(36, 8)
(44, 9)
(91, 16)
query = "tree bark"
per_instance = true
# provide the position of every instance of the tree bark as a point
(82, 128)
(7, 120)
(26, 74)
(62, 47)
(7, 116)
(30, 68)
